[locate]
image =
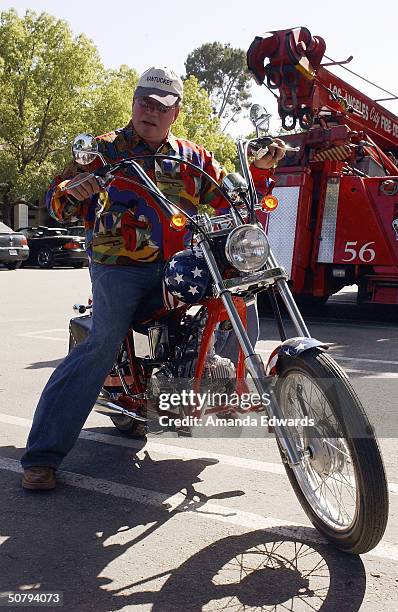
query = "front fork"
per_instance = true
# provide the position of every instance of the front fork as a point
(253, 361)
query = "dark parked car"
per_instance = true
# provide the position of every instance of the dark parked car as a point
(76, 230)
(13, 247)
(51, 246)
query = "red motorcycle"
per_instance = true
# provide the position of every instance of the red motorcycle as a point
(326, 442)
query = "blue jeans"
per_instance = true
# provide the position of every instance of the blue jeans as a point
(72, 389)
(119, 293)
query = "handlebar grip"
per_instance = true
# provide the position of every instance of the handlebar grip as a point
(260, 143)
(84, 180)
(102, 176)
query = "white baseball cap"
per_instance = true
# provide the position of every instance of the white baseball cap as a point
(160, 83)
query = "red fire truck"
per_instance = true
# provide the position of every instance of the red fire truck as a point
(337, 221)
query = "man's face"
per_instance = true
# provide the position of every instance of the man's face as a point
(152, 120)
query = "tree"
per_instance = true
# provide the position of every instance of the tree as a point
(112, 99)
(222, 71)
(53, 86)
(196, 122)
(46, 78)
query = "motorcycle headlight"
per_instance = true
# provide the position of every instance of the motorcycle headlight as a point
(247, 248)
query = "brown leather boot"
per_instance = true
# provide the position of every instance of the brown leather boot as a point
(39, 478)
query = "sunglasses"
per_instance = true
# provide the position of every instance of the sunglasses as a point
(148, 104)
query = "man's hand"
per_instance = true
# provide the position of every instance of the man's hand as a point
(276, 152)
(85, 190)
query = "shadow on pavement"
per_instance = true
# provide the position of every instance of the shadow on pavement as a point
(340, 307)
(262, 570)
(66, 540)
(44, 364)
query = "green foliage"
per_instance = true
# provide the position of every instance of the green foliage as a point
(197, 123)
(222, 71)
(46, 76)
(53, 86)
(112, 99)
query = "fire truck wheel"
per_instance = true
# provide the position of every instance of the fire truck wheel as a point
(340, 480)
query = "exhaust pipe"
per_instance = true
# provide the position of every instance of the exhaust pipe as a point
(104, 406)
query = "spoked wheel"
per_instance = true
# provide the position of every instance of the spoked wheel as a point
(340, 480)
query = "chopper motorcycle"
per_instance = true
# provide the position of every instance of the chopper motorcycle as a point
(325, 439)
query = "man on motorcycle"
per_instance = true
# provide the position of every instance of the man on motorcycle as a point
(125, 248)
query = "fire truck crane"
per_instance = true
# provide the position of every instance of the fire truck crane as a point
(337, 222)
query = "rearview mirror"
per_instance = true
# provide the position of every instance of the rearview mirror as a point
(259, 118)
(85, 149)
(234, 185)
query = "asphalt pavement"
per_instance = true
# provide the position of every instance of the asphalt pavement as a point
(178, 523)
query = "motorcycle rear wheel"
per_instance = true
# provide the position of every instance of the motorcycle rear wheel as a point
(340, 481)
(129, 427)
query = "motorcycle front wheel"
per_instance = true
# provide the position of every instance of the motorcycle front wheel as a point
(340, 480)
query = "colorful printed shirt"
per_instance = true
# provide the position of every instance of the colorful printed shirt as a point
(129, 229)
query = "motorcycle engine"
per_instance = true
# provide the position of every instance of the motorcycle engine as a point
(219, 372)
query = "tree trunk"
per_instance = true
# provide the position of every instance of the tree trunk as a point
(5, 205)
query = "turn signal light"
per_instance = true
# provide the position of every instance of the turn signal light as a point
(389, 187)
(178, 221)
(269, 202)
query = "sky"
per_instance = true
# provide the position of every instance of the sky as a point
(163, 32)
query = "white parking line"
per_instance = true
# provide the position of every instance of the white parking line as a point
(362, 359)
(176, 451)
(179, 503)
(43, 334)
(163, 449)
(6, 321)
(339, 358)
(188, 453)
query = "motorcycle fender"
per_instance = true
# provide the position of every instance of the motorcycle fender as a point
(79, 327)
(292, 347)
